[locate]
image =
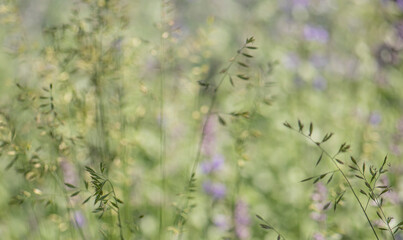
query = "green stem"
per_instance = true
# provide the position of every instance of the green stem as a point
(68, 203)
(201, 140)
(118, 210)
(345, 178)
(162, 127)
(378, 204)
(273, 228)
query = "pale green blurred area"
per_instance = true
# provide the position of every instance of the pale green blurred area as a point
(337, 84)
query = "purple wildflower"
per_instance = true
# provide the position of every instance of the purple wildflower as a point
(222, 222)
(319, 61)
(378, 223)
(318, 217)
(375, 118)
(320, 83)
(400, 4)
(69, 173)
(208, 146)
(394, 148)
(303, 3)
(399, 29)
(242, 220)
(316, 34)
(397, 138)
(400, 126)
(215, 164)
(319, 198)
(216, 190)
(291, 61)
(318, 236)
(79, 219)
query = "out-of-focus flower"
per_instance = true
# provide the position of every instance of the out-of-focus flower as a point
(320, 83)
(79, 219)
(222, 222)
(242, 220)
(303, 3)
(394, 148)
(215, 164)
(208, 146)
(375, 118)
(318, 217)
(397, 138)
(400, 126)
(215, 190)
(399, 29)
(319, 61)
(378, 223)
(318, 236)
(291, 61)
(316, 34)
(319, 198)
(69, 173)
(399, 4)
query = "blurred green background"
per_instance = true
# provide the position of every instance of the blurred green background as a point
(84, 82)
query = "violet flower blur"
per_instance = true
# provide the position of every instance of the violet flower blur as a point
(242, 220)
(319, 83)
(318, 236)
(399, 29)
(291, 61)
(400, 4)
(222, 222)
(79, 219)
(302, 3)
(214, 165)
(298, 81)
(319, 198)
(400, 126)
(316, 34)
(69, 172)
(397, 138)
(215, 190)
(375, 118)
(318, 61)
(208, 145)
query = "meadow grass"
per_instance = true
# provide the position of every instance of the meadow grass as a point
(165, 119)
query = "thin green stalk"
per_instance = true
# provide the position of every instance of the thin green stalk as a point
(209, 216)
(68, 203)
(238, 178)
(270, 226)
(332, 158)
(201, 140)
(384, 219)
(36, 220)
(210, 111)
(162, 122)
(97, 77)
(60, 183)
(118, 210)
(369, 198)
